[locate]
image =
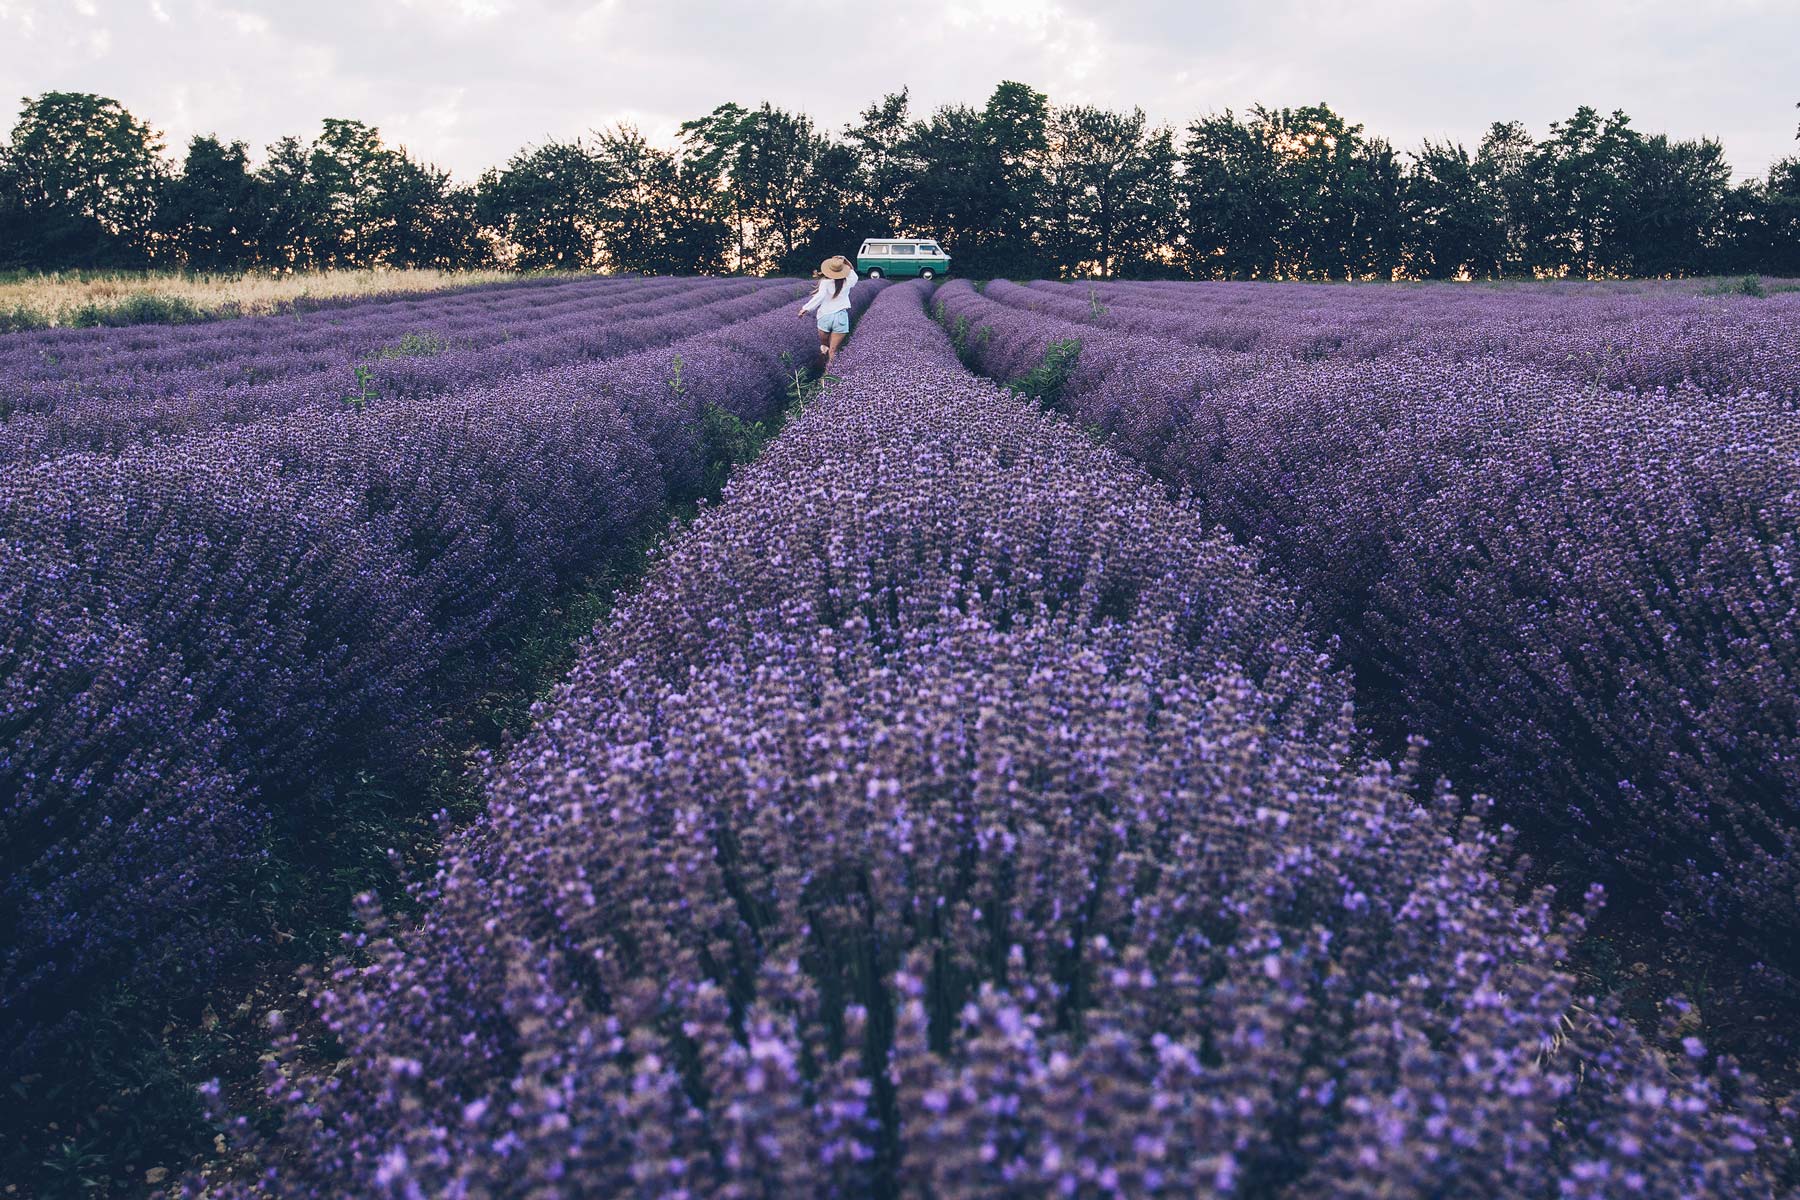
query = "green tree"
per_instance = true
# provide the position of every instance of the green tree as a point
(211, 214)
(1231, 200)
(416, 217)
(1455, 216)
(347, 200)
(841, 216)
(882, 171)
(1318, 155)
(14, 227)
(293, 207)
(345, 167)
(544, 206)
(1291, 192)
(946, 195)
(1777, 241)
(1015, 125)
(1579, 178)
(1012, 187)
(1110, 181)
(1672, 218)
(1503, 167)
(658, 213)
(86, 176)
(1015, 132)
(1374, 199)
(977, 181)
(706, 144)
(766, 161)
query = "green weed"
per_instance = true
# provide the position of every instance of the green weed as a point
(365, 389)
(1044, 383)
(413, 345)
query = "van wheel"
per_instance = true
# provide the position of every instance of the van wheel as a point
(927, 273)
(874, 272)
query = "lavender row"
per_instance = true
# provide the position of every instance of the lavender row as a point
(198, 636)
(1646, 340)
(83, 354)
(1584, 598)
(275, 350)
(953, 815)
(155, 362)
(130, 409)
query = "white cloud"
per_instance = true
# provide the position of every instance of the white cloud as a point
(248, 24)
(462, 10)
(19, 16)
(479, 10)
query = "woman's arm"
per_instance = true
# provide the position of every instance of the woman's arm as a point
(818, 295)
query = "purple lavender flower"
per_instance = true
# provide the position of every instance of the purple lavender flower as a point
(951, 813)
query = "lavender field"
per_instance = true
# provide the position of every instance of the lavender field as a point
(1117, 739)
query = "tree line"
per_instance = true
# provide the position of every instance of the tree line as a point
(1017, 186)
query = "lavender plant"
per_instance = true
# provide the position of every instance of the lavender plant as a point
(953, 814)
(118, 388)
(1582, 595)
(199, 636)
(1639, 337)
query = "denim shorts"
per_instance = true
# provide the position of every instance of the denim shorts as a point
(837, 322)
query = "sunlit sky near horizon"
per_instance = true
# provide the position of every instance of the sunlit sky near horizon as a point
(466, 83)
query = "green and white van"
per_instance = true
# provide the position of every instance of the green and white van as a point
(901, 258)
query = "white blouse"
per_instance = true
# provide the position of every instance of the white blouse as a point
(827, 303)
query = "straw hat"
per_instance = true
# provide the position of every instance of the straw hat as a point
(835, 267)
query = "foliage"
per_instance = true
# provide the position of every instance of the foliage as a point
(413, 345)
(84, 178)
(1044, 383)
(360, 399)
(212, 208)
(1749, 285)
(541, 205)
(728, 440)
(141, 309)
(1015, 187)
(1109, 190)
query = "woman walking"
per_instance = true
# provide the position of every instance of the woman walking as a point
(832, 299)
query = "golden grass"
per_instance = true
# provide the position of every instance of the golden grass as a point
(84, 298)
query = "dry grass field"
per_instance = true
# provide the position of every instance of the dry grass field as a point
(34, 301)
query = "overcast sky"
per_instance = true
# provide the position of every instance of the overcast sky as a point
(465, 83)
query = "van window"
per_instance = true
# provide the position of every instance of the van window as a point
(902, 248)
(928, 248)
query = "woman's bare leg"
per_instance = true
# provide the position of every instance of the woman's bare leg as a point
(825, 345)
(837, 339)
